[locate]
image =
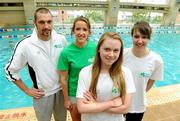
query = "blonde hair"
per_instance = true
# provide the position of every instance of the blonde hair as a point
(115, 71)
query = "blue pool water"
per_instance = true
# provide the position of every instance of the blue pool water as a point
(165, 41)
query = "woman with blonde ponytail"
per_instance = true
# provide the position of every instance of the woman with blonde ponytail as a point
(105, 87)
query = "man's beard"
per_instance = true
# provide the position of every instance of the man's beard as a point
(46, 32)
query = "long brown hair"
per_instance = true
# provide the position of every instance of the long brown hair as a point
(115, 71)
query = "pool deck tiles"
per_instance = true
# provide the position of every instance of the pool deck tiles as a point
(163, 105)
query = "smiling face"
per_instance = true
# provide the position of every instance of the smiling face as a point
(141, 34)
(109, 52)
(139, 40)
(43, 24)
(81, 32)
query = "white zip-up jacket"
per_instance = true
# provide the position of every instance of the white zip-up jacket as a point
(42, 65)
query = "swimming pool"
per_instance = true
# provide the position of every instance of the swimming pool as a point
(165, 41)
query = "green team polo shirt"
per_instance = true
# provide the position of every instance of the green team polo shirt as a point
(73, 59)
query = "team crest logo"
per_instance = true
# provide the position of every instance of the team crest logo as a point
(144, 74)
(90, 60)
(58, 46)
